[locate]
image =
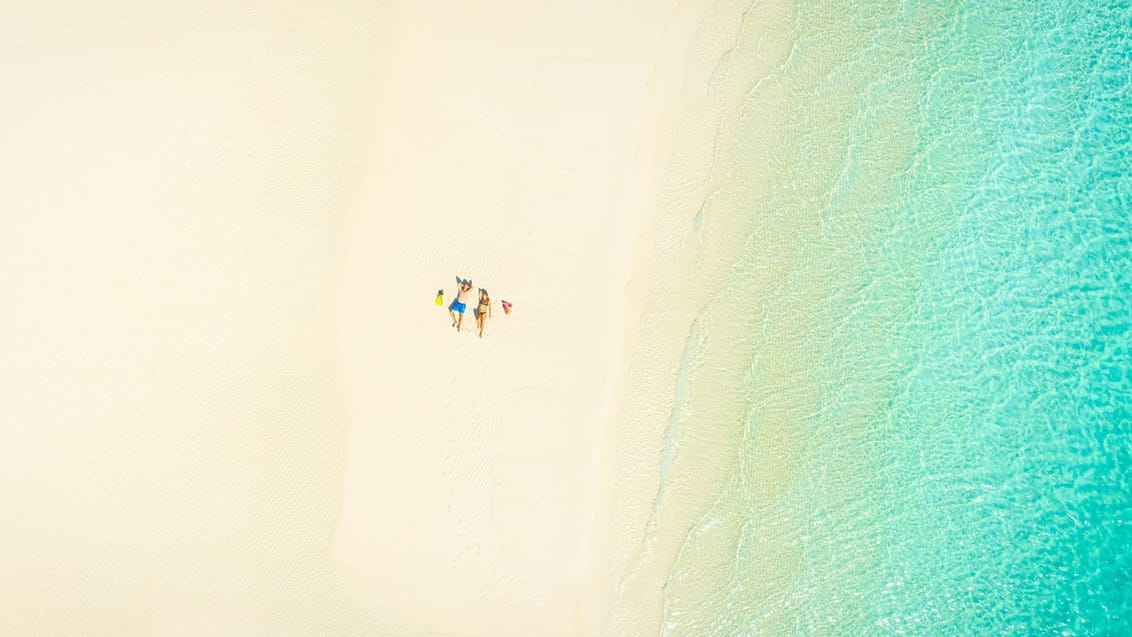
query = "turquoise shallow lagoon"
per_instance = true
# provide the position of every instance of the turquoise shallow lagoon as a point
(934, 374)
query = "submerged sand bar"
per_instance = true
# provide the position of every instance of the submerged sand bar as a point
(517, 146)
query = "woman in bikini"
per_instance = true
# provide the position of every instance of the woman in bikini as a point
(483, 312)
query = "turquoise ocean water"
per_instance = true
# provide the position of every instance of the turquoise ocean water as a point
(935, 375)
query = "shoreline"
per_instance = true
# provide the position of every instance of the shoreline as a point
(653, 444)
(663, 114)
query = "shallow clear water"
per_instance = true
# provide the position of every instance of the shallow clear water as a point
(934, 368)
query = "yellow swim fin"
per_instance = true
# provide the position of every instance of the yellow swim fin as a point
(440, 297)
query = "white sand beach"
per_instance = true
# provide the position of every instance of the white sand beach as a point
(235, 407)
(523, 157)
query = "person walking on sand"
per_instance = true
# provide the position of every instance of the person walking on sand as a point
(459, 304)
(483, 311)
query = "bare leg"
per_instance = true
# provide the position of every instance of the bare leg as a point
(453, 315)
(460, 322)
(481, 320)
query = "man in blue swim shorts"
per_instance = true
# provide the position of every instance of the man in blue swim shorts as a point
(460, 304)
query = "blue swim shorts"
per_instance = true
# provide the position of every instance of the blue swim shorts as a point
(458, 307)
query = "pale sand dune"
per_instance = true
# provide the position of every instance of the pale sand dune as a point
(174, 183)
(517, 147)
